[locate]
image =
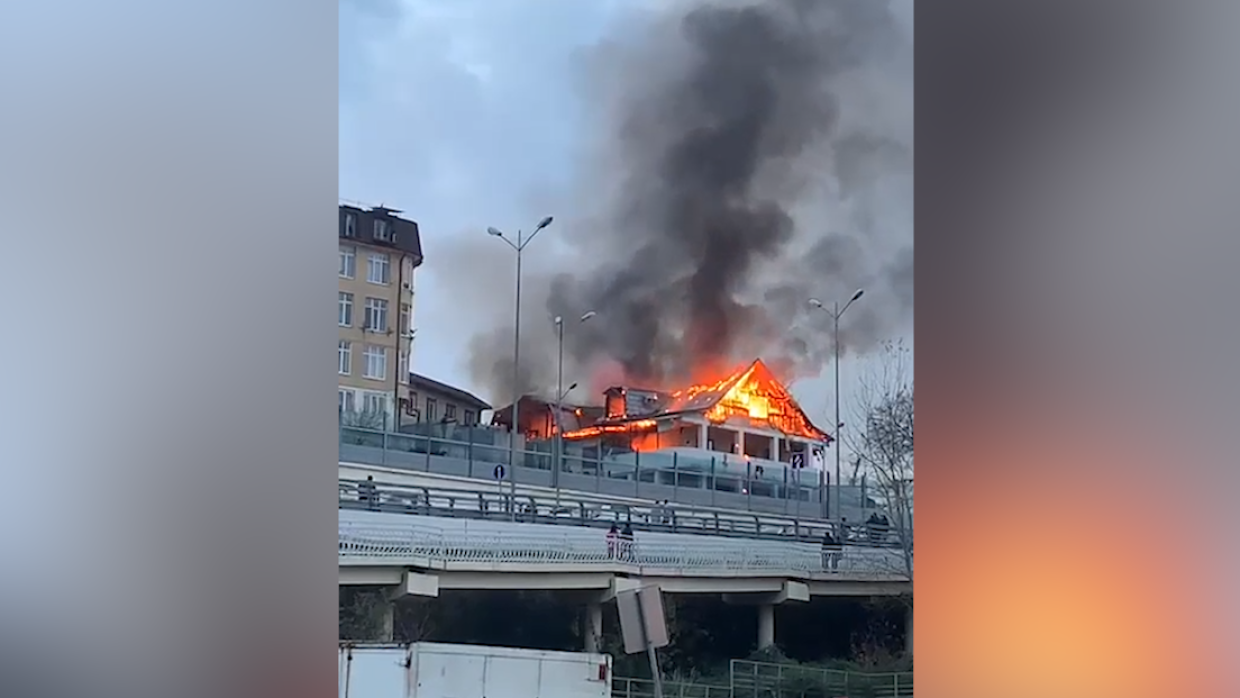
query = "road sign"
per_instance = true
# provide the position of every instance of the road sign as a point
(644, 627)
(798, 460)
(499, 472)
(642, 623)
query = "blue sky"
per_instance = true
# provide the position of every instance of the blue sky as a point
(466, 114)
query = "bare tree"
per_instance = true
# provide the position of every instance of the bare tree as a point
(884, 446)
(373, 420)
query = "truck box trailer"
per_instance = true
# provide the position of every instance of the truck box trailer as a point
(435, 670)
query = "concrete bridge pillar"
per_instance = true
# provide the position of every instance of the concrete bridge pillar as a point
(766, 603)
(594, 628)
(766, 626)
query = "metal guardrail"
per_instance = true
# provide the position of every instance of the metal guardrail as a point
(577, 511)
(752, 679)
(413, 543)
(720, 479)
(644, 688)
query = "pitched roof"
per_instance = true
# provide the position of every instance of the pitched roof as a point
(734, 392)
(466, 397)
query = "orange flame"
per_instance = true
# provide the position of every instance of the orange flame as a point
(600, 429)
(752, 393)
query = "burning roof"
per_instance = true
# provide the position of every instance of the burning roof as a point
(751, 392)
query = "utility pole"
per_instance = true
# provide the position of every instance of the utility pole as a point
(836, 312)
(518, 247)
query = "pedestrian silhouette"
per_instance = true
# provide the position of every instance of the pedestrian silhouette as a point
(368, 493)
(830, 552)
(613, 536)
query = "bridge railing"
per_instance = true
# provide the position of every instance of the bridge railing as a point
(752, 679)
(644, 688)
(572, 510)
(409, 543)
(708, 480)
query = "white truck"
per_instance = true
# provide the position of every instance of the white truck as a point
(434, 670)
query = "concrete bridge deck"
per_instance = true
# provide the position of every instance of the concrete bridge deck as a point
(382, 549)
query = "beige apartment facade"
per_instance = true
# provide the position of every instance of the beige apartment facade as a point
(380, 253)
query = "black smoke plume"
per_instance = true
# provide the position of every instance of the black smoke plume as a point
(753, 155)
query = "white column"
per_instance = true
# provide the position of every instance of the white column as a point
(775, 448)
(594, 627)
(766, 626)
(738, 442)
(702, 435)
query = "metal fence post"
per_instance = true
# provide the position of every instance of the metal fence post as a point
(825, 491)
(637, 474)
(675, 476)
(748, 485)
(785, 492)
(713, 483)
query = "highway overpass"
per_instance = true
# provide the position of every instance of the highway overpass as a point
(418, 555)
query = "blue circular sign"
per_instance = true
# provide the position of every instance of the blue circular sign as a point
(499, 472)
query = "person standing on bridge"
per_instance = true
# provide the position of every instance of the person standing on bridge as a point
(613, 541)
(830, 552)
(368, 494)
(626, 542)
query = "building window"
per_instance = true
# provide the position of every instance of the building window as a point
(449, 413)
(379, 271)
(347, 400)
(345, 354)
(431, 408)
(376, 362)
(469, 418)
(376, 315)
(350, 225)
(376, 404)
(405, 310)
(384, 231)
(346, 309)
(402, 368)
(407, 265)
(348, 262)
(411, 405)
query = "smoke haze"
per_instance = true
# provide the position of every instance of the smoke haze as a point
(745, 157)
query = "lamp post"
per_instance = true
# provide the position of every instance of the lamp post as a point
(518, 246)
(560, 394)
(835, 311)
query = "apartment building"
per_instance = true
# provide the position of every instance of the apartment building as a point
(379, 255)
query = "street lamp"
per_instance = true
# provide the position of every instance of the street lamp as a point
(835, 311)
(560, 394)
(519, 247)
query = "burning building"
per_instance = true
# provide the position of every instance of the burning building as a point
(749, 413)
(538, 421)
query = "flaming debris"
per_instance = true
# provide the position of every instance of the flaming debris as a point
(752, 394)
